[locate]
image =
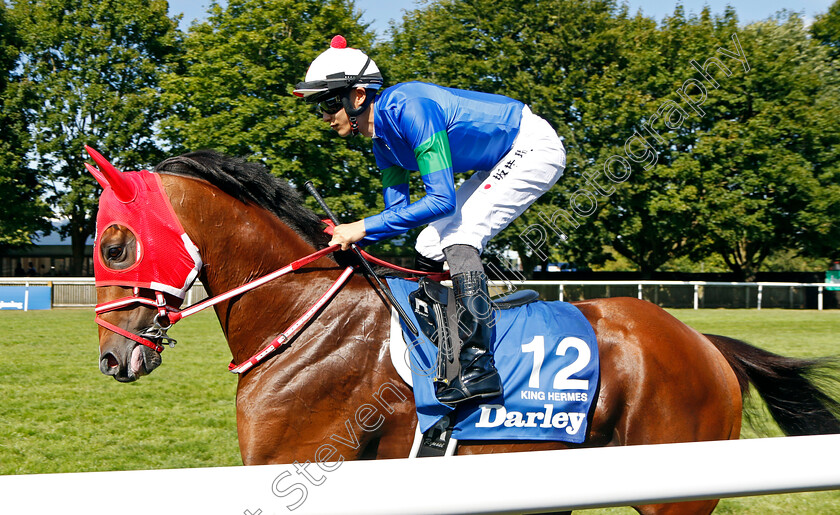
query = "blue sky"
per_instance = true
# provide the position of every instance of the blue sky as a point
(380, 12)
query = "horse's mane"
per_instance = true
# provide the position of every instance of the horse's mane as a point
(250, 183)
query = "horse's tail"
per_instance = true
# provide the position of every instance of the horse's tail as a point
(787, 385)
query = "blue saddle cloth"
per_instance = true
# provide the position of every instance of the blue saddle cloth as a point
(547, 356)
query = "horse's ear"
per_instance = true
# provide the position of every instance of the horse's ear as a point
(97, 175)
(123, 189)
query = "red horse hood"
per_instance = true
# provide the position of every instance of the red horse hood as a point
(167, 260)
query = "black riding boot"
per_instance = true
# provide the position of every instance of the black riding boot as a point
(478, 376)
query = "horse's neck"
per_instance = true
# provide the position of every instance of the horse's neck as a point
(239, 243)
(339, 362)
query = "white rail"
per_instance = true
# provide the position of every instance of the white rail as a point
(529, 482)
(695, 284)
(83, 294)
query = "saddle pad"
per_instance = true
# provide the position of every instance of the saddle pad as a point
(547, 356)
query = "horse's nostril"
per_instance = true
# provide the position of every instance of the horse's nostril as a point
(109, 364)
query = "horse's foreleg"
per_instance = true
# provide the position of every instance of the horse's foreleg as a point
(679, 508)
(397, 433)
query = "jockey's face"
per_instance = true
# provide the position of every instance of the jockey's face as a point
(340, 122)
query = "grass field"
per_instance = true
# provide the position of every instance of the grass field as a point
(60, 414)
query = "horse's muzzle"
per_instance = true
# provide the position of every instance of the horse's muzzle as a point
(128, 366)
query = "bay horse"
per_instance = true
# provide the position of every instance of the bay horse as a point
(661, 381)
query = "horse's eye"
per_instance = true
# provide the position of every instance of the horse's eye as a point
(114, 252)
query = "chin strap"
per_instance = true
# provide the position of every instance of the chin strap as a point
(354, 126)
(352, 111)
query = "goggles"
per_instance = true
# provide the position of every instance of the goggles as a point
(331, 105)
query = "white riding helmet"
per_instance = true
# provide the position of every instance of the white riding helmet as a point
(337, 70)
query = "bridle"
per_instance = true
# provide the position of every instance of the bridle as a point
(157, 331)
(124, 191)
(168, 315)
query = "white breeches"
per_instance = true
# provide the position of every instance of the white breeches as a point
(489, 201)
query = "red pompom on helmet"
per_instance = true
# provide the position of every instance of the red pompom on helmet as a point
(338, 41)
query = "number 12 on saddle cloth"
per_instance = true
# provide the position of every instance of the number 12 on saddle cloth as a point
(547, 356)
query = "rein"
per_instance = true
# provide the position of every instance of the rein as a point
(139, 198)
(169, 315)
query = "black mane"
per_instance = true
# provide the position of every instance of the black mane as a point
(250, 183)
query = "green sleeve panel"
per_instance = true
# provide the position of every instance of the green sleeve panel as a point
(433, 155)
(394, 176)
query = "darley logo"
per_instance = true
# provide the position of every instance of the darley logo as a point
(559, 420)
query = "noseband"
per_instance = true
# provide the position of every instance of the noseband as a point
(152, 334)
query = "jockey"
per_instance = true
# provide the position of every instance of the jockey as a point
(516, 156)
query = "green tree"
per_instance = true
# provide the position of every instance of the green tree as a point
(89, 75)
(596, 74)
(613, 105)
(749, 172)
(770, 165)
(233, 93)
(826, 29)
(654, 215)
(22, 211)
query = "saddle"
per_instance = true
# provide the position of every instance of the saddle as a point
(438, 316)
(547, 357)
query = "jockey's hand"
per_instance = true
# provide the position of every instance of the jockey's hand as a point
(347, 234)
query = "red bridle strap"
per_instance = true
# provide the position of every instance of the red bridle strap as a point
(160, 303)
(294, 328)
(295, 265)
(131, 336)
(434, 276)
(172, 314)
(127, 301)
